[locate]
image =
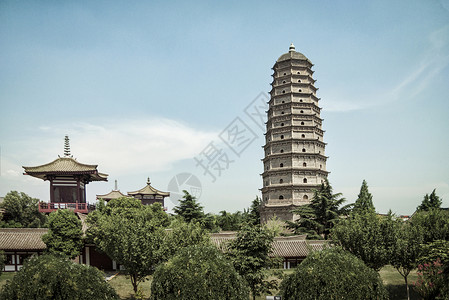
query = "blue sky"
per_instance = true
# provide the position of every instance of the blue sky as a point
(143, 87)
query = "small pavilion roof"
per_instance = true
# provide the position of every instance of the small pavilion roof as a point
(114, 194)
(149, 190)
(66, 166)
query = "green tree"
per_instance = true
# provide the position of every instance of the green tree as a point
(56, 278)
(131, 234)
(364, 200)
(189, 209)
(65, 234)
(434, 224)
(181, 235)
(429, 202)
(317, 218)
(230, 221)
(333, 274)
(253, 215)
(368, 236)
(198, 272)
(249, 253)
(406, 251)
(21, 211)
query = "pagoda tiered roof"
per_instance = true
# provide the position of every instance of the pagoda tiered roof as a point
(66, 166)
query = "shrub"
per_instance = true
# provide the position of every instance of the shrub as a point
(53, 277)
(198, 272)
(333, 274)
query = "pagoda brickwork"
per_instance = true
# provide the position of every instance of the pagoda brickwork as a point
(295, 161)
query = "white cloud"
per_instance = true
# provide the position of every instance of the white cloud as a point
(129, 146)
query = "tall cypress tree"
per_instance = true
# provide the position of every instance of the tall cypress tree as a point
(364, 200)
(432, 201)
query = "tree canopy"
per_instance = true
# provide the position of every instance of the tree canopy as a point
(407, 251)
(434, 224)
(65, 234)
(333, 274)
(249, 253)
(56, 278)
(198, 272)
(317, 218)
(21, 210)
(368, 236)
(131, 234)
(364, 200)
(429, 202)
(189, 209)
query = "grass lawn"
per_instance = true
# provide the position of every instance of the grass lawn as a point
(395, 284)
(393, 281)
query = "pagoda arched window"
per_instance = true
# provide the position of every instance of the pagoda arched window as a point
(282, 137)
(281, 197)
(303, 135)
(284, 81)
(282, 151)
(281, 180)
(300, 90)
(305, 197)
(282, 124)
(303, 149)
(304, 180)
(299, 80)
(300, 100)
(283, 91)
(285, 74)
(298, 73)
(281, 165)
(302, 123)
(302, 111)
(304, 164)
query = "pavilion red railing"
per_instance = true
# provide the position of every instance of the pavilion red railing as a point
(76, 207)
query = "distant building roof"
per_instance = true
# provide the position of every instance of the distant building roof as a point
(111, 195)
(149, 190)
(22, 238)
(283, 246)
(66, 166)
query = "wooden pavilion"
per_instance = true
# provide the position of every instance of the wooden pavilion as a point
(68, 179)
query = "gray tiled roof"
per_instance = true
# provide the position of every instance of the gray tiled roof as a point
(65, 166)
(292, 55)
(22, 238)
(112, 195)
(288, 246)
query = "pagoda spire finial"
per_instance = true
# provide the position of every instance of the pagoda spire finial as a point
(292, 48)
(67, 146)
(148, 181)
(116, 188)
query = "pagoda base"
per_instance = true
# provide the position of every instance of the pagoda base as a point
(282, 212)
